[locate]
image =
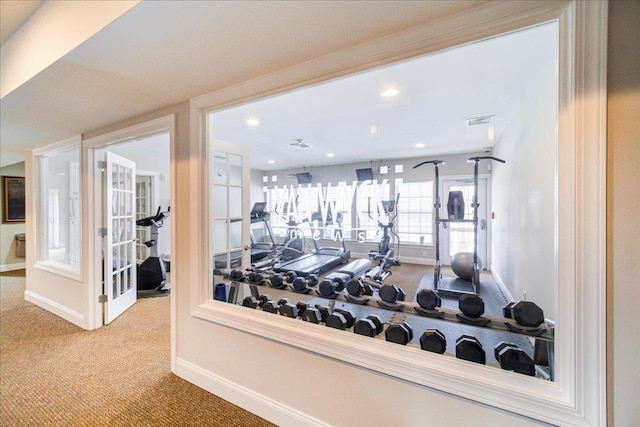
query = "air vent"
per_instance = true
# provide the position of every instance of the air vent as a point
(479, 120)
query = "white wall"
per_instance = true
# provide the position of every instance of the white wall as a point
(523, 198)
(8, 259)
(153, 155)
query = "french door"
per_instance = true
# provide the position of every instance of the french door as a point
(458, 236)
(119, 237)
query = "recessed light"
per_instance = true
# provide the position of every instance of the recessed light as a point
(491, 134)
(389, 92)
(252, 122)
(271, 161)
(374, 130)
(419, 144)
(330, 155)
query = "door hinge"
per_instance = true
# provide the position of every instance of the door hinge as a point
(102, 232)
(102, 164)
(102, 299)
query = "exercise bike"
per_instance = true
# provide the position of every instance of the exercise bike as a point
(384, 255)
(152, 273)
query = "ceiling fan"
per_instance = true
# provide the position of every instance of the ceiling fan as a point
(300, 143)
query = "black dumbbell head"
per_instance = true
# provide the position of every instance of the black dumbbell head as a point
(501, 346)
(255, 277)
(506, 311)
(527, 313)
(388, 293)
(348, 316)
(402, 295)
(236, 275)
(397, 333)
(283, 301)
(302, 306)
(290, 276)
(311, 315)
(262, 299)
(433, 340)
(312, 280)
(409, 329)
(515, 359)
(250, 302)
(327, 288)
(271, 307)
(428, 299)
(299, 284)
(471, 305)
(289, 310)
(337, 320)
(469, 348)
(324, 312)
(365, 327)
(377, 322)
(355, 287)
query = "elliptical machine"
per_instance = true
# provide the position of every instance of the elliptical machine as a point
(152, 273)
(384, 255)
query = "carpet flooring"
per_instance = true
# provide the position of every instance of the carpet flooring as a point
(53, 373)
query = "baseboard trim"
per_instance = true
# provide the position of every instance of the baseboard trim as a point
(12, 267)
(502, 286)
(55, 308)
(256, 403)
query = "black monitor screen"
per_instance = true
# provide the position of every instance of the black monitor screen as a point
(304, 178)
(365, 174)
(258, 208)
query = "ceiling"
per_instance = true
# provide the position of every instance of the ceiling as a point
(162, 53)
(14, 13)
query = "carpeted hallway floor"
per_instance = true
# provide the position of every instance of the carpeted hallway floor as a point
(53, 373)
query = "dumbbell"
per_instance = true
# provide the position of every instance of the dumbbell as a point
(304, 284)
(389, 294)
(399, 333)
(237, 275)
(526, 313)
(287, 308)
(311, 314)
(469, 348)
(271, 307)
(433, 340)
(302, 306)
(472, 308)
(357, 288)
(277, 280)
(369, 326)
(253, 302)
(341, 319)
(329, 288)
(429, 301)
(256, 277)
(513, 358)
(325, 312)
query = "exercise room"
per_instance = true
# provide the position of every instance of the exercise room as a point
(413, 203)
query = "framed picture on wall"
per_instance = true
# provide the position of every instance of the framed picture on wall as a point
(13, 205)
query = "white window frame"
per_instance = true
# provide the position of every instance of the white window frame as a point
(578, 394)
(402, 212)
(42, 262)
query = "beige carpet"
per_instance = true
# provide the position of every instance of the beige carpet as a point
(53, 373)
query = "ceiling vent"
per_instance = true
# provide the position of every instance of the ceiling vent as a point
(300, 143)
(483, 120)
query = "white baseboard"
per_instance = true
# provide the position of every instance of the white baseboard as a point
(258, 404)
(55, 308)
(12, 267)
(502, 286)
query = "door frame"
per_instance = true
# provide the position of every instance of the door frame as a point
(155, 193)
(92, 204)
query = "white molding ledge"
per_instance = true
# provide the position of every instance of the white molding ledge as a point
(55, 308)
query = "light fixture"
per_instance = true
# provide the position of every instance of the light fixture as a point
(491, 134)
(482, 120)
(374, 130)
(389, 92)
(419, 144)
(252, 121)
(331, 155)
(271, 161)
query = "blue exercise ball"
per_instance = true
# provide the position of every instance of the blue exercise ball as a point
(462, 265)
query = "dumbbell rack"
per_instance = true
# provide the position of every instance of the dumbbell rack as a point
(543, 336)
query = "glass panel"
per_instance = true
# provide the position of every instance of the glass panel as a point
(236, 259)
(235, 233)
(235, 169)
(220, 235)
(219, 201)
(220, 167)
(220, 261)
(235, 201)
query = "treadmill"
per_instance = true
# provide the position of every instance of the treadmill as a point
(260, 250)
(321, 259)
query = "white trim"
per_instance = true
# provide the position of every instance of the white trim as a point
(12, 267)
(502, 286)
(60, 269)
(578, 395)
(55, 308)
(256, 403)
(92, 210)
(58, 147)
